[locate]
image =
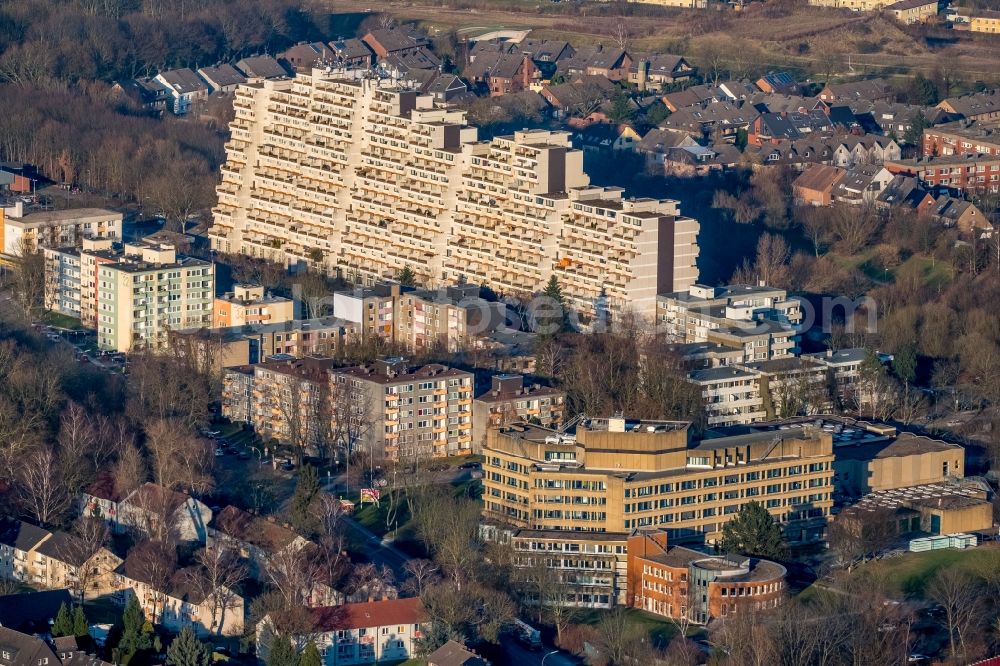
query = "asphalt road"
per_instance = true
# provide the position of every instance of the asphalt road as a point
(515, 654)
(380, 553)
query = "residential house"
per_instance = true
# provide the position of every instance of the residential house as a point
(17, 649)
(984, 21)
(401, 64)
(738, 90)
(442, 87)
(352, 53)
(360, 633)
(611, 62)
(780, 127)
(304, 56)
(510, 399)
(717, 122)
(18, 541)
(658, 70)
(964, 215)
(655, 144)
(873, 90)
(692, 161)
(145, 93)
(781, 83)
(255, 538)
(222, 78)
(909, 12)
(400, 41)
(906, 193)
(580, 96)
(186, 600)
(261, 68)
(606, 136)
(186, 88)
(862, 184)
(67, 561)
(815, 185)
(699, 96)
(453, 653)
(974, 106)
(503, 73)
(154, 512)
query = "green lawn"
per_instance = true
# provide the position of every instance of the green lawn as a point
(655, 628)
(373, 516)
(102, 611)
(61, 321)
(909, 574)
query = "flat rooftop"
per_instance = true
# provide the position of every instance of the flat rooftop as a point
(56, 217)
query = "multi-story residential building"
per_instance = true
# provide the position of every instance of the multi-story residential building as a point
(760, 320)
(362, 633)
(255, 538)
(914, 11)
(133, 296)
(730, 394)
(186, 88)
(234, 346)
(510, 399)
(415, 413)
(31, 231)
(969, 174)
(419, 319)
(853, 5)
(683, 583)
(616, 475)
(364, 177)
(150, 511)
(249, 304)
(593, 566)
(55, 560)
(180, 602)
(18, 541)
(963, 137)
(291, 401)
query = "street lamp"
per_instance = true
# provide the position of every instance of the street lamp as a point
(547, 655)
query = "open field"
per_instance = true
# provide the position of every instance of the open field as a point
(812, 39)
(909, 574)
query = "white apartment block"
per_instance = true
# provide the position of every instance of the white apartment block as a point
(762, 321)
(365, 177)
(133, 296)
(33, 230)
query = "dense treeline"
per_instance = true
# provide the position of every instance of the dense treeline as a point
(42, 41)
(82, 135)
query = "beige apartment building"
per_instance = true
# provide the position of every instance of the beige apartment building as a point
(758, 322)
(615, 475)
(854, 5)
(401, 411)
(509, 400)
(32, 230)
(250, 304)
(451, 317)
(415, 413)
(133, 295)
(364, 176)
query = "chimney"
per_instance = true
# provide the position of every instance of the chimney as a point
(641, 79)
(526, 72)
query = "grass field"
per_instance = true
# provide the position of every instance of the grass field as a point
(654, 628)
(810, 39)
(909, 574)
(61, 321)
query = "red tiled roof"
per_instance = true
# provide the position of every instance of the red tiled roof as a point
(370, 614)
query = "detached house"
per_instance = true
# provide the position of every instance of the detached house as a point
(261, 68)
(185, 87)
(606, 136)
(256, 539)
(873, 90)
(503, 73)
(352, 53)
(303, 57)
(658, 141)
(657, 70)
(150, 510)
(222, 79)
(815, 185)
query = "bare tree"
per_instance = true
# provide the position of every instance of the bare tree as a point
(421, 573)
(89, 536)
(42, 490)
(218, 578)
(621, 34)
(153, 562)
(130, 471)
(350, 416)
(961, 598)
(370, 582)
(181, 459)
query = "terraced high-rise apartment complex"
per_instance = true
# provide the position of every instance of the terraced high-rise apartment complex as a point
(364, 176)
